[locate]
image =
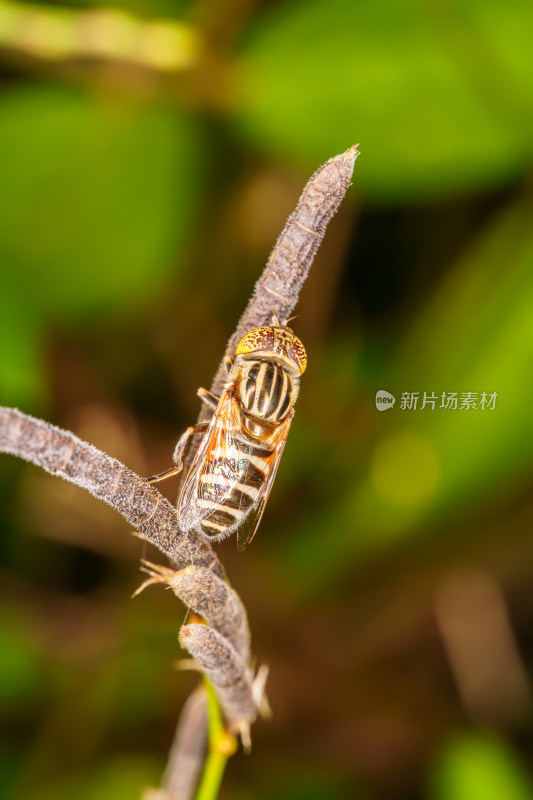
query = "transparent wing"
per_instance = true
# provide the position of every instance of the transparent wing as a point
(248, 527)
(217, 439)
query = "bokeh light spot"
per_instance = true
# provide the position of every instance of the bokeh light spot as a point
(405, 469)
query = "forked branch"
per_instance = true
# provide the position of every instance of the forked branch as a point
(221, 648)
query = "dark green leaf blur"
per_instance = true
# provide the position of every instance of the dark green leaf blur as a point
(150, 153)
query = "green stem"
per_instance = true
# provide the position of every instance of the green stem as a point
(221, 745)
(212, 776)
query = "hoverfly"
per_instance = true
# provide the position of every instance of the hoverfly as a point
(232, 472)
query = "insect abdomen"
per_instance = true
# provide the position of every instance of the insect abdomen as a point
(229, 486)
(266, 391)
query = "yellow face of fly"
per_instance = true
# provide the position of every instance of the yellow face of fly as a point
(274, 340)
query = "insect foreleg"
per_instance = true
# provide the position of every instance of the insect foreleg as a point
(208, 398)
(183, 441)
(177, 456)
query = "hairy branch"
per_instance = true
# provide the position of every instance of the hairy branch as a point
(211, 597)
(188, 751)
(61, 453)
(278, 289)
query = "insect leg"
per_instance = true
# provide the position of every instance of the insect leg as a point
(228, 361)
(178, 453)
(183, 441)
(209, 398)
(161, 476)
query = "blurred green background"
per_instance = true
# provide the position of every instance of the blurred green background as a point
(149, 156)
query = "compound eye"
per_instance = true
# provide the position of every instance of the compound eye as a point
(298, 354)
(256, 339)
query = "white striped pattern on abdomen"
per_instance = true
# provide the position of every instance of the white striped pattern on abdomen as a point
(230, 485)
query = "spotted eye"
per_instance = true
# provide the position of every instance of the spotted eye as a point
(298, 354)
(256, 339)
(275, 339)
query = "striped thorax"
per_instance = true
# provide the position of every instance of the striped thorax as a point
(266, 372)
(232, 474)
